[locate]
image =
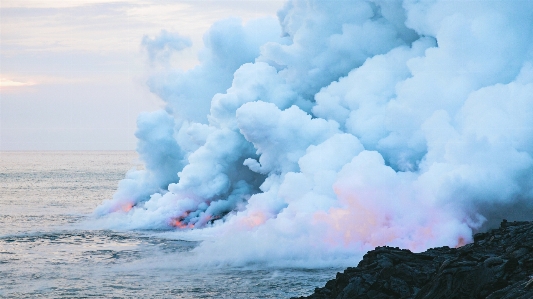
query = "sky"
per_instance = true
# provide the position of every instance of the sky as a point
(73, 73)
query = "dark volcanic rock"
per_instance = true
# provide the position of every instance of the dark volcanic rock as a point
(499, 264)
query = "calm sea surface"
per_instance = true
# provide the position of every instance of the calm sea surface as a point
(44, 252)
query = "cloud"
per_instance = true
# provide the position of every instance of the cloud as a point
(5, 82)
(53, 3)
(161, 47)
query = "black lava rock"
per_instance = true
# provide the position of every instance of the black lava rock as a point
(499, 264)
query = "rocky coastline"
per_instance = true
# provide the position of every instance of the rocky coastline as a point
(498, 264)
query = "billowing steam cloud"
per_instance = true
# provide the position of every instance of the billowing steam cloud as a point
(344, 126)
(162, 46)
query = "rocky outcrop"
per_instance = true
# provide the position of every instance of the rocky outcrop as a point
(499, 264)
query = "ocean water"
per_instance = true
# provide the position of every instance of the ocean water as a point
(47, 251)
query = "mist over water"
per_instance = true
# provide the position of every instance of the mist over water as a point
(47, 250)
(341, 126)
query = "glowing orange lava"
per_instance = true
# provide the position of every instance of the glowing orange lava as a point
(180, 224)
(461, 242)
(127, 207)
(179, 221)
(124, 207)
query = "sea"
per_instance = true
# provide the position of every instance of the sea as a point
(48, 249)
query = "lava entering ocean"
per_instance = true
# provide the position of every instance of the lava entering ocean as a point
(342, 126)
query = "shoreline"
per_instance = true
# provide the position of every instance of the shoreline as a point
(498, 264)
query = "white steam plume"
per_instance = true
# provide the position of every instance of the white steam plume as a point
(366, 123)
(160, 48)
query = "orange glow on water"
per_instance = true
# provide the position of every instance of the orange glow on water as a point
(254, 219)
(352, 225)
(365, 222)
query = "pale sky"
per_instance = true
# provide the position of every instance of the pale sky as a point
(73, 73)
